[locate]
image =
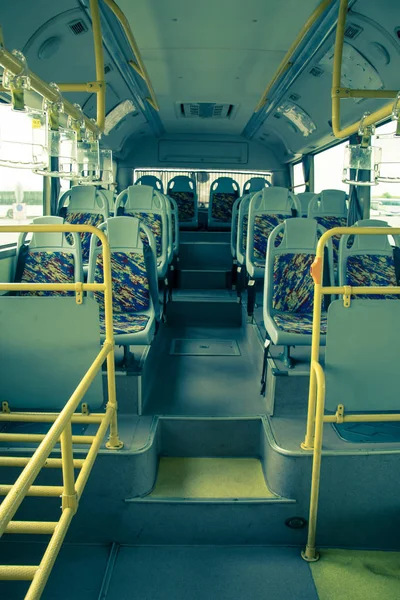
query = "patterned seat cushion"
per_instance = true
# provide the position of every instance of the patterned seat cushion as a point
(48, 267)
(78, 218)
(129, 279)
(371, 270)
(298, 323)
(293, 284)
(245, 223)
(125, 323)
(154, 223)
(263, 226)
(330, 222)
(185, 202)
(221, 206)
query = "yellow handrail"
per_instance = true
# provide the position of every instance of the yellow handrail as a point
(338, 92)
(139, 66)
(286, 64)
(60, 431)
(316, 401)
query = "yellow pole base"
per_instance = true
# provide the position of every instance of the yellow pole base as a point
(310, 554)
(305, 446)
(114, 444)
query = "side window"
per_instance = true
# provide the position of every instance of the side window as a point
(21, 199)
(298, 178)
(328, 169)
(385, 197)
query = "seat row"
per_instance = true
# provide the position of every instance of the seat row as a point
(363, 260)
(224, 192)
(256, 215)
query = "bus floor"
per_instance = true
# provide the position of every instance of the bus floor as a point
(202, 572)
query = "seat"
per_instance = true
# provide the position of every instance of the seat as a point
(174, 224)
(267, 209)
(288, 285)
(305, 199)
(152, 181)
(152, 208)
(330, 209)
(224, 192)
(49, 258)
(367, 260)
(182, 189)
(134, 278)
(84, 205)
(255, 184)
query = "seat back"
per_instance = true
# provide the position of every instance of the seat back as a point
(234, 228)
(255, 184)
(49, 257)
(224, 192)
(182, 189)
(133, 267)
(174, 224)
(367, 260)
(361, 356)
(151, 207)
(54, 340)
(305, 199)
(288, 285)
(268, 208)
(84, 205)
(152, 181)
(329, 208)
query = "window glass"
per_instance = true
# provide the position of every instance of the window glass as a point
(298, 178)
(203, 179)
(328, 169)
(385, 197)
(21, 199)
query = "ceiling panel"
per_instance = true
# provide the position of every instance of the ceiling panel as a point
(214, 52)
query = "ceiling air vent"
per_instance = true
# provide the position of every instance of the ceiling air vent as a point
(206, 110)
(294, 97)
(316, 71)
(107, 69)
(77, 27)
(352, 31)
(276, 116)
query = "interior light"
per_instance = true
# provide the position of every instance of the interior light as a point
(117, 114)
(298, 117)
(23, 137)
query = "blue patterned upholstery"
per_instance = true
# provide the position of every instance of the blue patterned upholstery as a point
(244, 237)
(81, 218)
(154, 223)
(185, 202)
(371, 270)
(129, 279)
(221, 206)
(125, 323)
(263, 226)
(48, 267)
(293, 284)
(329, 222)
(298, 323)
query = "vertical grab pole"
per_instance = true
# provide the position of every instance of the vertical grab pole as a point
(310, 554)
(317, 270)
(99, 59)
(69, 496)
(114, 443)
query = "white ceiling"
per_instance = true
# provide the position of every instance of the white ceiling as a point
(208, 51)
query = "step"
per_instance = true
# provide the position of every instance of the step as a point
(215, 279)
(197, 311)
(205, 255)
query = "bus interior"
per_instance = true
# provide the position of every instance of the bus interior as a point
(199, 291)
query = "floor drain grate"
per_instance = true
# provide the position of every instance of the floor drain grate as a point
(190, 347)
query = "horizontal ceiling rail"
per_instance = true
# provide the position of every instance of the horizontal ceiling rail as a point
(339, 92)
